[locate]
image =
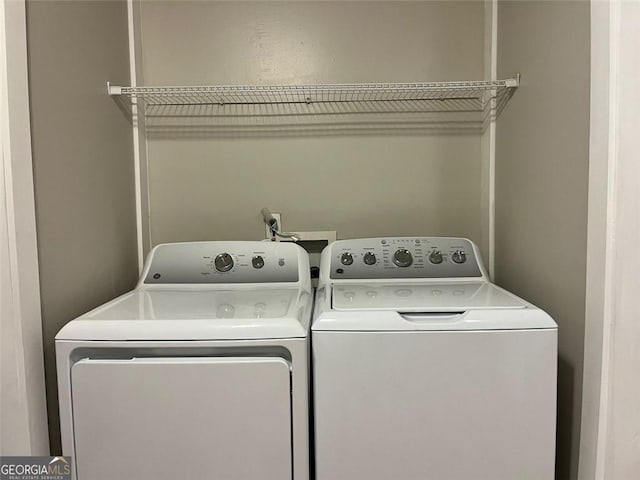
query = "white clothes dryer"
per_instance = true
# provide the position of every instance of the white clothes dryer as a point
(200, 372)
(425, 370)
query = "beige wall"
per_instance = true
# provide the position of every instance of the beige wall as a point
(541, 183)
(210, 187)
(83, 167)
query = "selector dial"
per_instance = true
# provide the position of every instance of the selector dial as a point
(346, 258)
(369, 258)
(403, 257)
(436, 257)
(459, 256)
(257, 261)
(223, 262)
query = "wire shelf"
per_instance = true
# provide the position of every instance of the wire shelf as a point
(468, 103)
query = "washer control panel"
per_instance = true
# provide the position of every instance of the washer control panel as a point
(404, 257)
(223, 262)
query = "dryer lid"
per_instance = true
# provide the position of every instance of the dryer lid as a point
(196, 314)
(423, 297)
(224, 305)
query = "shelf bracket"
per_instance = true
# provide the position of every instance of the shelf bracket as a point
(113, 89)
(513, 82)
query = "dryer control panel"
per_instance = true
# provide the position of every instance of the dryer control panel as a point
(223, 262)
(404, 257)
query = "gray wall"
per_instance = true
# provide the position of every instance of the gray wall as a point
(541, 183)
(83, 166)
(208, 187)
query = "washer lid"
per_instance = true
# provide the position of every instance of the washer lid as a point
(196, 314)
(424, 297)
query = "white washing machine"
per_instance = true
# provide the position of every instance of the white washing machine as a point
(201, 372)
(425, 370)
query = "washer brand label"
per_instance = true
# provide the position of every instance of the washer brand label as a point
(35, 468)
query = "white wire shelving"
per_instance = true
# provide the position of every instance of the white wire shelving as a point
(464, 104)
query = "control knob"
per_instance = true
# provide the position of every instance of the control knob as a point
(459, 256)
(346, 258)
(369, 258)
(257, 261)
(223, 262)
(402, 257)
(436, 257)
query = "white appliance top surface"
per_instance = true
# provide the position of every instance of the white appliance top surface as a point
(196, 314)
(223, 305)
(430, 297)
(427, 306)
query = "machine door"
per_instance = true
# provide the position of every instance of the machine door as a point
(219, 418)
